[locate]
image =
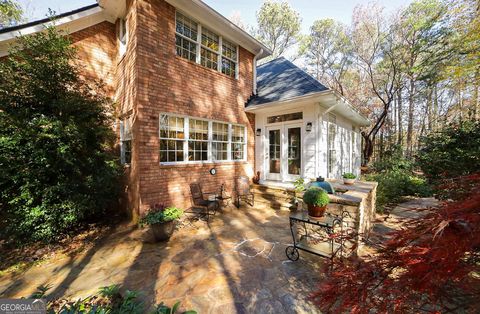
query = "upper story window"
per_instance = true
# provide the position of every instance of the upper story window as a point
(201, 45)
(122, 36)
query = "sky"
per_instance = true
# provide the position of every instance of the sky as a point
(310, 10)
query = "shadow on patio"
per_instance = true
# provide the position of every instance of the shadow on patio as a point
(235, 264)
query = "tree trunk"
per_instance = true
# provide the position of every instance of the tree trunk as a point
(429, 108)
(399, 112)
(435, 107)
(410, 117)
(476, 99)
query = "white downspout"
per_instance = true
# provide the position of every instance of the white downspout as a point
(254, 86)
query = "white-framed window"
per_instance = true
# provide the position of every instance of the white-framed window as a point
(187, 139)
(219, 141)
(210, 49)
(186, 37)
(126, 138)
(203, 46)
(197, 140)
(172, 138)
(229, 58)
(122, 36)
(332, 135)
(238, 142)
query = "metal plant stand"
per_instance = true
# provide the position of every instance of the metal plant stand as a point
(315, 236)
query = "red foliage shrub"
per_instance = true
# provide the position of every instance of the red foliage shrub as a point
(430, 265)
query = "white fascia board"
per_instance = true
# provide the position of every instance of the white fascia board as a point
(328, 99)
(210, 18)
(70, 24)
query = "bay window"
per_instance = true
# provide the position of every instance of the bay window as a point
(197, 43)
(186, 139)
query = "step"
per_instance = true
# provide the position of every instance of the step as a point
(272, 190)
(279, 202)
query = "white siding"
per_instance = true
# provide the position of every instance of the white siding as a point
(315, 143)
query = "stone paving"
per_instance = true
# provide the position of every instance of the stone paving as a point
(234, 264)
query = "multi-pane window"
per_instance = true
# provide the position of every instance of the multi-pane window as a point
(238, 142)
(332, 134)
(126, 141)
(219, 141)
(229, 58)
(215, 52)
(186, 37)
(198, 140)
(172, 138)
(210, 47)
(184, 139)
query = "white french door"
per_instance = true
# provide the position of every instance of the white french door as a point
(283, 156)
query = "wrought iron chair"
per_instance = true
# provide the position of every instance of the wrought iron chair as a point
(243, 192)
(200, 202)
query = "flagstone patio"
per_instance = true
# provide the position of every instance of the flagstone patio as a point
(234, 264)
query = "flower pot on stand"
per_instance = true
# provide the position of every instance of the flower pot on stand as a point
(316, 211)
(163, 231)
(348, 181)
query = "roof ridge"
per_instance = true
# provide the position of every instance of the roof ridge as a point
(47, 19)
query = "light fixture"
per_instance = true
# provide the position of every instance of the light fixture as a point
(259, 132)
(309, 127)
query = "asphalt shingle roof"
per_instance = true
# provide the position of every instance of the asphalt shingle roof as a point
(280, 79)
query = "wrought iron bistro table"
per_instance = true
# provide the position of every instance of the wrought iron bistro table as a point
(319, 240)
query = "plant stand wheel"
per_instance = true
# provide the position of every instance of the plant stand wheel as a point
(292, 253)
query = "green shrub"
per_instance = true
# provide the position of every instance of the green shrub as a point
(349, 175)
(108, 300)
(452, 152)
(161, 215)
(394, 185)
(316, 196)
(55, 133)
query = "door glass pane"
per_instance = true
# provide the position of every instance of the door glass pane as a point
(274, 150)
(294, 151)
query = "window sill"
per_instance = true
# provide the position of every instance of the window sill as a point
(207, 69)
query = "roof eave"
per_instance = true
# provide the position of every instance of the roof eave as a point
(357, 117)
(71, 23)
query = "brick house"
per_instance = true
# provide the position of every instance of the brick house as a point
(188, 100)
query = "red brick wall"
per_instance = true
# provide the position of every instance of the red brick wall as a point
(168, 83)
(97, 54)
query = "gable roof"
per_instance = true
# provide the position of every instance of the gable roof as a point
(280, 79)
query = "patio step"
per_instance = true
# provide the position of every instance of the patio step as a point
(277, 198)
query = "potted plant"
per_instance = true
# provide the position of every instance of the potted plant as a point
(162, 221)
(349, 178)
(317, 200)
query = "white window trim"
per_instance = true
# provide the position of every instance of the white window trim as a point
(122, 47)
(122, 139)
(210, 141)
(199, 47)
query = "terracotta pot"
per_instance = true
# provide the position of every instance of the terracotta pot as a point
(163, 231)
(316, 211)
(348, 181)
